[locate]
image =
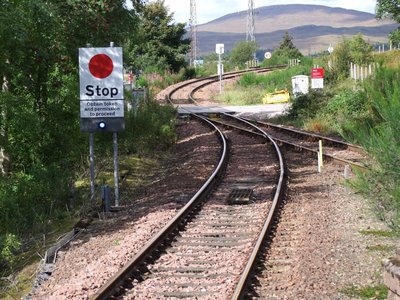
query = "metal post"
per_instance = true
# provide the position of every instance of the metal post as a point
(220, 73)
(116, 187)
(116, 171)
(91, 158)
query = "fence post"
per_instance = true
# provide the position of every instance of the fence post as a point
(361, 73)
(351, 71)
(355, 72)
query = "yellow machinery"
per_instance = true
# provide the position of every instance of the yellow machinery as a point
(281, 96)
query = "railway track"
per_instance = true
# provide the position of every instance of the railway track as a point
(188, 88)
(333, 149)
(208, 250)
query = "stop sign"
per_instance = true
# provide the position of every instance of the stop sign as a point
(101, 73)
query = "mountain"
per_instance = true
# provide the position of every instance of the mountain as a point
(313, 27)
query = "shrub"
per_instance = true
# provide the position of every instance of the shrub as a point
(307, 106)
(9, 244)
(151, 127)
(380, 137)
(344, 109)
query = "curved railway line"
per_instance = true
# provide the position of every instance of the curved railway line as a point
(333, 149)
(228, 241)
(201, 238)
(210, 248)
(190, 87)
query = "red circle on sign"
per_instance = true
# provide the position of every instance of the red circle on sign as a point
(101, 66)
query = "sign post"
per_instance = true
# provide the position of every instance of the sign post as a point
(102, 99)
(101, 89)
(219, 49)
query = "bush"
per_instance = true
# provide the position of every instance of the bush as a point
(29, 200)
(151, 127)
(276, 80)
(307, 106)
(9, 244)
(380, 136)
(343, 110)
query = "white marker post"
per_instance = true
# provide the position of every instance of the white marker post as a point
(320, 157)
(219, 49)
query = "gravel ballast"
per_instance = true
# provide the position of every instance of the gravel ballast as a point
(330, 250)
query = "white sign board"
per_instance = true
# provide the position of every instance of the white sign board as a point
(101, 73)
(317, 83)
(102, 109)
(219, 48)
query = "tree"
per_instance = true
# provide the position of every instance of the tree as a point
(286, 50)
(360, 50)
(389, 9)
(356, 50)
(39, 105)
(160, 43)
(341, 60)
(243, 52)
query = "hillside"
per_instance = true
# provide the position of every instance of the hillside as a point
(313, 27)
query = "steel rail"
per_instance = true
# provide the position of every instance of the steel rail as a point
(246, 274)
(115, 282)
(338, 160)
(310, 134)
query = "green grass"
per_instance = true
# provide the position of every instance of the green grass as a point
(380, 233)
(366, 292)
(244, 96)
(270, 82)
(252, 87)
(26, 263)
(381, 248)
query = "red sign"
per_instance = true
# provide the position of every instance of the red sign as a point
(317, 73)
(101, 66)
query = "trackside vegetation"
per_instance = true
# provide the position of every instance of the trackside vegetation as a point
(43, 153)
(379, 134)
(363, 112)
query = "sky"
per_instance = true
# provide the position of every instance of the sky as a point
(208, 10)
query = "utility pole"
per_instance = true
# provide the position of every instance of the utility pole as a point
(250, 33)
(193, 32)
